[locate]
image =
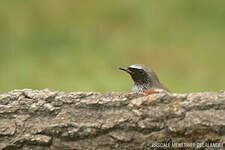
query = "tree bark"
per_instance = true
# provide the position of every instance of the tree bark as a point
(51, 120)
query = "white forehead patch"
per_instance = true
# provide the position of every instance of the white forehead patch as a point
(136, 66)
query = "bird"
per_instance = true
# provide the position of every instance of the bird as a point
(145, 79)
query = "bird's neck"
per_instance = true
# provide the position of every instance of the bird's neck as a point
(141, 87)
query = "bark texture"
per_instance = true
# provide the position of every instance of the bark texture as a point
(44, 120)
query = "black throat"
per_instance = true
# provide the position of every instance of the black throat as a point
(142, 81)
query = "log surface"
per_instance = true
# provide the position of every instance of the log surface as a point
(48, 120)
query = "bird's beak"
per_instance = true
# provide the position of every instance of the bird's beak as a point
(125, 69)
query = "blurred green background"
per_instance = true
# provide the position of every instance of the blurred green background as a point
(78, 45)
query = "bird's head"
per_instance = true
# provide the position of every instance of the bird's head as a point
(141, 74)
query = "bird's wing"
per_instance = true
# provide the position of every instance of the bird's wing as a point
(163, 87)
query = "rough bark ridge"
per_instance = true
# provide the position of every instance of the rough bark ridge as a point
(43, 120)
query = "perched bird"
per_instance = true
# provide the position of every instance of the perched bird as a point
(145, 79)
